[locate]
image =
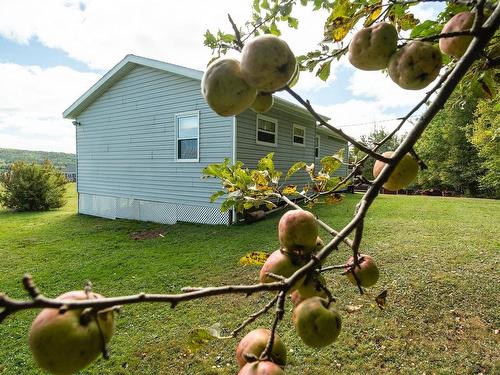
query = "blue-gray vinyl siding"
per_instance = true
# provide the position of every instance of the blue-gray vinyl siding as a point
(285, 152)
(126, 140)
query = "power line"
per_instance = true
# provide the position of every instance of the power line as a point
(374, 122)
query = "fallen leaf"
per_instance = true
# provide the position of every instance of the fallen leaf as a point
(255, 258)
(353, 308)
(381, 299)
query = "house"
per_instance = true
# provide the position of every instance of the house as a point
(144, 133)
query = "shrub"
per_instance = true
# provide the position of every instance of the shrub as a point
(32, 187)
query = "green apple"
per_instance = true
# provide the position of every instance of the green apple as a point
(457, 45)
(309, 288)
(372, 47)
(298, 231)
(263, 102)
(64, 343)
(316, 323)
(224, 88)
(415, 65)
(254, 344)
(406, 171)
(261, 368)
(267, 63)
(367, 271)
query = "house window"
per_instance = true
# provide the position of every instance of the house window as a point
(267, 131)
(187, 127)
(299, 135)
(316, 146)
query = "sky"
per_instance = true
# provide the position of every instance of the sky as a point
(52, 51)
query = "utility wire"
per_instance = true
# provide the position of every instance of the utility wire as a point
(374, 122)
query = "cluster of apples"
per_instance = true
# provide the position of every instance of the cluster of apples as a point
(315, 318)
(416, 64)
(230, 86)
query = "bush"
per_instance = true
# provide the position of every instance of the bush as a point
(32, 187)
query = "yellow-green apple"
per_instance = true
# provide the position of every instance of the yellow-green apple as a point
(372, 47)
(309, 288)
(406, 171)
(261, 368)
(263, 102)
(457, 45)
(298, 231)
(317, 323)
(366, 272)
(280, 263)
(254, 344)
(415, 65)
(64, 343)
(224, 88)
(267, 63)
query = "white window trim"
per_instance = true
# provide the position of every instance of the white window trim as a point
(319, 146)
(177, 139)
(295, 126)
(270, 119)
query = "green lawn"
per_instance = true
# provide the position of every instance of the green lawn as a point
(438, 258)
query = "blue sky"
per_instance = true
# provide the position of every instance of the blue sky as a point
(51, 52)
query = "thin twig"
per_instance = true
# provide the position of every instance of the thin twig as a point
(280, 311)
(320, 119)
(252, 318)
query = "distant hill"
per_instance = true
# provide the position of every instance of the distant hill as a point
(62, 160)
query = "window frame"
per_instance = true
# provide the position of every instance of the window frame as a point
(269, 119)
(303, 128)
(177, 116)
(316, 155)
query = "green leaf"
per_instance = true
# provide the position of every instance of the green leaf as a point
(210, 39)
(324, 70)
(330, 164)
(294, 168)
(264, 4)
(274, 29)
(293, 22)
(227, 38)
(426, 28)
(216, 195)
(256, 7)
(332, 182)
(227, 205)
(407, 22)
(285, 10)
(266, 163)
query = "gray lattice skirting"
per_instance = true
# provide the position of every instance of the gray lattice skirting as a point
(158, 212)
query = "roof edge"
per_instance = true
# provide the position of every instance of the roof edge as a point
(74, 109)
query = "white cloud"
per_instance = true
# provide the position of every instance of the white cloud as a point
(360, 116)
(31, 103)
(379, 86)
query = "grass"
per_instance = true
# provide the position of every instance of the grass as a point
(438, 259)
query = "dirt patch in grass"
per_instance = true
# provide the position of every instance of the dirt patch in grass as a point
(146, 235)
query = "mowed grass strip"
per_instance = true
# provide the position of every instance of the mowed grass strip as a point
(438, 259)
